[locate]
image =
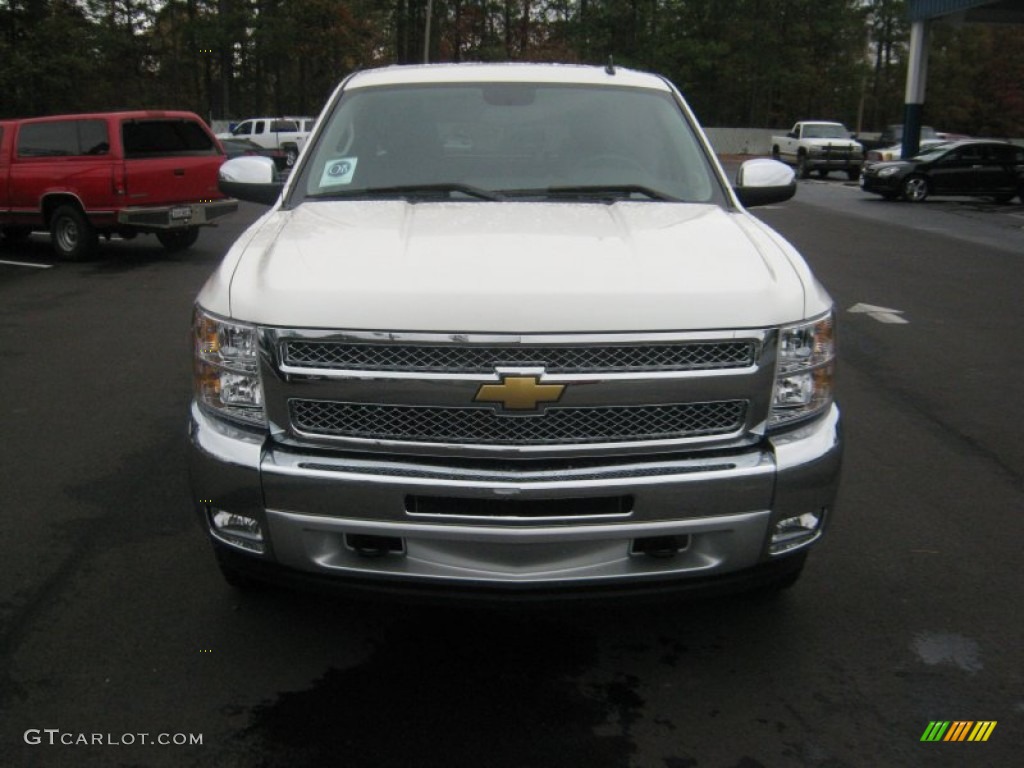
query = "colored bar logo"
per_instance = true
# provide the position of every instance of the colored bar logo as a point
(958, 730)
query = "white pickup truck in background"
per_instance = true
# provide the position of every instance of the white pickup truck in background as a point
(815, 145)
(286, 133)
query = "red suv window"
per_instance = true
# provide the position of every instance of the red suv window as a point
(63, 138)
(157, 138)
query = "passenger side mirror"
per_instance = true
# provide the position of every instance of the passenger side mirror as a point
(763, 182)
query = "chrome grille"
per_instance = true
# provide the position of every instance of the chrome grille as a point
(461, 358)
(555, 425)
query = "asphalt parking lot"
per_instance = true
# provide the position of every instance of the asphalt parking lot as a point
(114, 620)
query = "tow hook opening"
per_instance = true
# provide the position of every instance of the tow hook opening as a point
(660, 546)
(368, 545)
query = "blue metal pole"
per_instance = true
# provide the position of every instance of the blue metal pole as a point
(917, 76)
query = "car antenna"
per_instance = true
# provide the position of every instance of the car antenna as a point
(610, 68)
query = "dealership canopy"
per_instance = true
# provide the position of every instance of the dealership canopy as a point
(922, 14)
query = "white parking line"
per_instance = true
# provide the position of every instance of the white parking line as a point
(881, 314)
(25, 264)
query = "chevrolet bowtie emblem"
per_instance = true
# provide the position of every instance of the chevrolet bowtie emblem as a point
(519, 393)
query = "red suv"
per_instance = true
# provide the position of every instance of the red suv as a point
(125, 173)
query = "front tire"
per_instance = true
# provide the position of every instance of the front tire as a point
(73, 237)
(178, 239)
(915, 189)
(853, 173)
(803, 168)
(234, 577)
(291, 154)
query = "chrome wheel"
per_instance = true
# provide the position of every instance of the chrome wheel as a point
(72, 236)
(66, 234)
(915, 189)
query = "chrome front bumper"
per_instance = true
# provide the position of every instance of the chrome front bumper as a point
(314, 510)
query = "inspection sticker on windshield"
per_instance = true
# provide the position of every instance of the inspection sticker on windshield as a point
(339, 171)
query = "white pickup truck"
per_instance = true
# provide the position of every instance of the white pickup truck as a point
(508, 330)
(816, 145)
(286, 133)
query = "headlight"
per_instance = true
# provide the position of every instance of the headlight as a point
(804, 372)
(226, 371)
(888, 171)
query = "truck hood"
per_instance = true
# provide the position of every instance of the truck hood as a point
(513, 268)
(845, 143)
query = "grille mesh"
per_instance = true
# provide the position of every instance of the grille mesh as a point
(555, 425)
(440, 358)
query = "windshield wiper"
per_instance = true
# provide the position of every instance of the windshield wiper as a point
(411, 190)
(610, 193)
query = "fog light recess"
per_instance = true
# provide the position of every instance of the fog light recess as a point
(659, 546)
(237, 530)
(374, 546)
(793, 532)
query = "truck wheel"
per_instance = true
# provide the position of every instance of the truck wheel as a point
(853, 173)
(915, 189)
(234, 577)
(776, 155)
(781, 583)
(803, 168)
(291, 154)
(178, 239)
(72, 235)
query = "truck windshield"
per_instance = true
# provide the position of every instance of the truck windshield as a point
(826, 132)
(509, 141)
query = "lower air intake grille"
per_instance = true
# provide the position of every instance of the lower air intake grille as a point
(555, 425)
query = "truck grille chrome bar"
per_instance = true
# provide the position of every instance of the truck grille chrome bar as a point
(452, 358)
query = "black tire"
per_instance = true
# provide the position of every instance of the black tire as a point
(291, 154)
(72, 236)
(776, 155)
(178, 239)
(781, 583)
(915, 189)
(803, 168)
(823, 173)
(853, 173)
(1003, 199)
(234, 577)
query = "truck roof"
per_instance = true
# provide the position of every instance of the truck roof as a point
(506, 72)
(130, 114)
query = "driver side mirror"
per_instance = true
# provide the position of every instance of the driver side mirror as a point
(252, 178)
